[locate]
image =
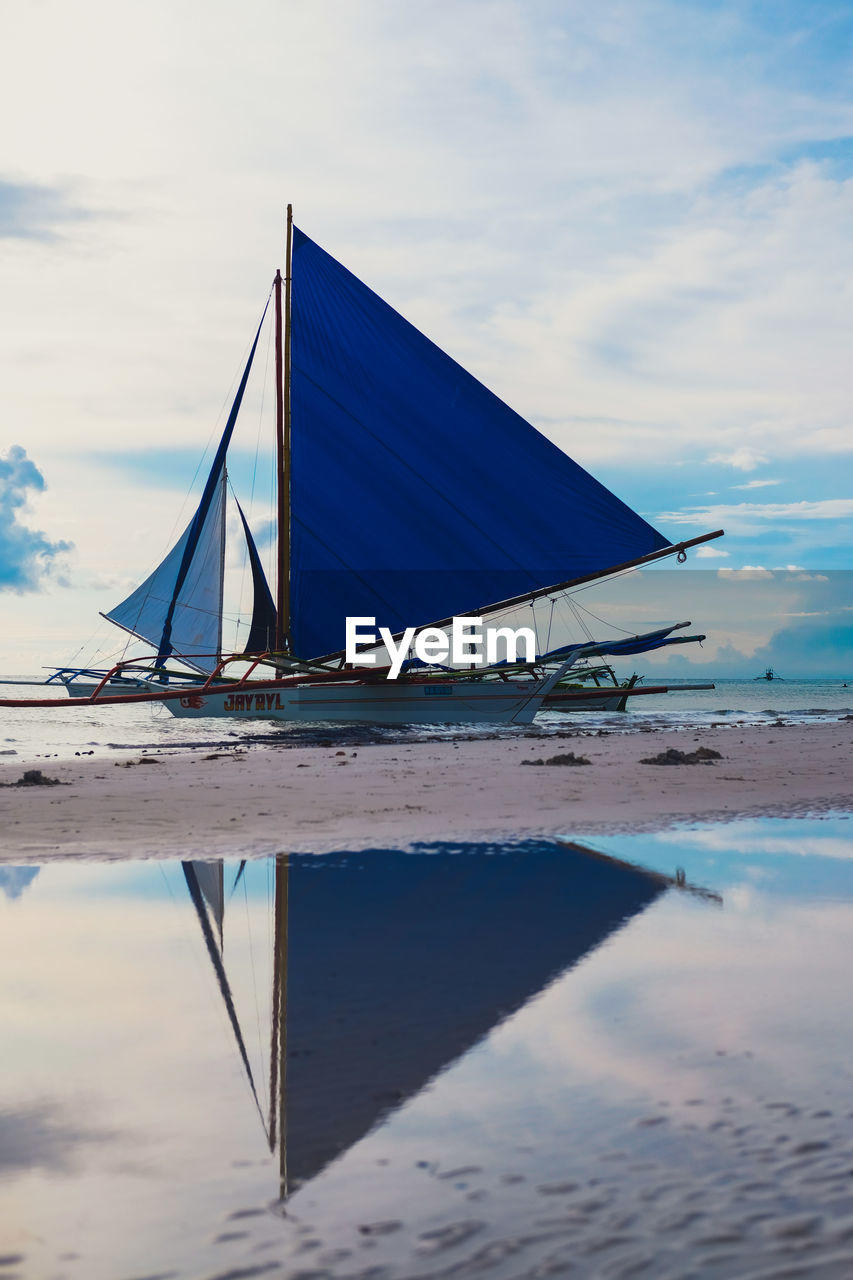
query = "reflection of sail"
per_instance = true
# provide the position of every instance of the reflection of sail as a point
(397, 964)
(390, 966)
(194, 884)
(211, 882)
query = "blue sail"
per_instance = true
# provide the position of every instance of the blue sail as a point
(262, 627)
(416, 493)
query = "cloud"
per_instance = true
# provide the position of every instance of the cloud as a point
(41, 1135)
(26, 555)
(743, 517)
(29, 211)
(743, 459)
(813, 647)
(710, 553)
(755, 484)
(748, 573)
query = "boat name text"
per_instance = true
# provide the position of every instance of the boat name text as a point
(253, 702)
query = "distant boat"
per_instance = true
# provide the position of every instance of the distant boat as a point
(406, 492)
(769, 674)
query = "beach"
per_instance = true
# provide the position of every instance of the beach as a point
(261, 800)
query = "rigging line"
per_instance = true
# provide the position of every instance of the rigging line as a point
(214, 430)
(87, 643)
(264, 385)
(229, 394)
(535, 627)
(550, 621)
(604, 621)
(576, 613)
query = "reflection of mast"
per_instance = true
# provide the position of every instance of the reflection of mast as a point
(278, 1050)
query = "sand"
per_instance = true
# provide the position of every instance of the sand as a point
(196, 803)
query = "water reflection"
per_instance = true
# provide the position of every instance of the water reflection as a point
(14, 880)
(151, 1010)
(503, 1061)
(387, 967)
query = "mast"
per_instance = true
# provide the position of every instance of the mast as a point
(282, 407)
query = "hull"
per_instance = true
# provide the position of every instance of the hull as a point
(447, 702)
(85, 688)
(599, 700)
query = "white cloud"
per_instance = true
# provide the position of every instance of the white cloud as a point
(747, 573)
(755, 484)
(742, 459)
(743, 517)
(710, 553)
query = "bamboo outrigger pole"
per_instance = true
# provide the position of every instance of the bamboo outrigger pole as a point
(282, 414)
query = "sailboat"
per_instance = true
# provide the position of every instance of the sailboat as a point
(406, 492)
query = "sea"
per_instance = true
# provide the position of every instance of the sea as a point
(34, 733)
(599, 1058)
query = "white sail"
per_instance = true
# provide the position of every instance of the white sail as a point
(192, 607)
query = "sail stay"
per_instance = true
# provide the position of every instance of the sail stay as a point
(416, 493)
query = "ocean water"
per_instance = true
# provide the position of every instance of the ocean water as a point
(34, 733)
(507, 1061)
(745, 702)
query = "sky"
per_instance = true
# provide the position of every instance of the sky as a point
(631, 220)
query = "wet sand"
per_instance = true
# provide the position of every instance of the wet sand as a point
(197, 803)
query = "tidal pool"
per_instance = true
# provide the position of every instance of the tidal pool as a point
(504, 1060)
